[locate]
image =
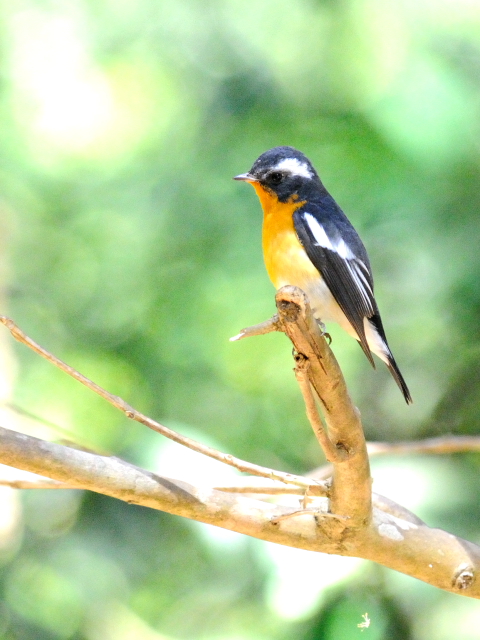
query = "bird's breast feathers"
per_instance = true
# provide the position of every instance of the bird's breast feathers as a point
(287, 262)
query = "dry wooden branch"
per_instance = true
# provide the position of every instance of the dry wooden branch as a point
(387, 533)
(301, 373)
(430, 446)
(394, 538)
(351, 487)
(272, 324)
(436, 446)
(133, 414)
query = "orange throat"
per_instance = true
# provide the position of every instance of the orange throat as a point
(285, 258)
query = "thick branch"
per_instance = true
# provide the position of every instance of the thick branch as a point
(351, 487)
(400, 541)
(393, 536)
(344, 442)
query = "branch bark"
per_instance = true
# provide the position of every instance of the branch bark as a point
(352, 486)
(401, 542)
(340, 517)
(441, 445)
(131, 413)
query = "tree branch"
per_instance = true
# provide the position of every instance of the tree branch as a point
(339, 518)
(401, 542)
(272, 324)
(430, 446)
(301, 374)
(440, 445)
(351, 486)
(133, 414)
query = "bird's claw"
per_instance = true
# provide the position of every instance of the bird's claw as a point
(324, 331)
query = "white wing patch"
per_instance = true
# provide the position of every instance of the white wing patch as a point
(295, 167)
(318, 232)
(343, 250)
(362, 271)
(324, 241)
(357, 268)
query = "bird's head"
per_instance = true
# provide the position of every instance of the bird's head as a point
(283, 172)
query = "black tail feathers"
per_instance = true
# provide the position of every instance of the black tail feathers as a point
(397, 376)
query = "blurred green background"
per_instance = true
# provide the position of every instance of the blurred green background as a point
(128, 251)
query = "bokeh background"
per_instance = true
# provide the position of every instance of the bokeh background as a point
(128, 251)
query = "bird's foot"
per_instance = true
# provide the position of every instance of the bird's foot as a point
(324, 331)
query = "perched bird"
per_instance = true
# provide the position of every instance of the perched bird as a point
(309, 242)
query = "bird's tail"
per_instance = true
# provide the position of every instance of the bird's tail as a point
(397, 376)
(377, 342)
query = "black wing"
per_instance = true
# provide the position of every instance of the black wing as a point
(335, 249)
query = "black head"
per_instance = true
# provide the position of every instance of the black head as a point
(285, 171)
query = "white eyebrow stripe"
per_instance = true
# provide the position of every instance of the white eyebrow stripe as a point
(295, 167)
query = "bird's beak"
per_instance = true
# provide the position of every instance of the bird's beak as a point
(246, 177)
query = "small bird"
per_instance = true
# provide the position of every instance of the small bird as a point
(309, 242)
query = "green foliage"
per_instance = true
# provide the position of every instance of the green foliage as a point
(130, 253)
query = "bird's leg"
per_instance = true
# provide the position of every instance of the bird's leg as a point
(324, 331)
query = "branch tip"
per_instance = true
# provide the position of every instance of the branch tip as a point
(270, 325)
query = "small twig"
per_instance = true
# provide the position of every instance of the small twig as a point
(260, 329)
(267, 487)
(17, 479)
(321, 473)
(307, 512)
(440, 445)
(135, 415)
(430, 446)
(301, 373)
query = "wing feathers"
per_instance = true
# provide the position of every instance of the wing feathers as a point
(343, 265)
(335, 249)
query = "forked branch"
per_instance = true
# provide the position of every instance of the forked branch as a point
(333, 519)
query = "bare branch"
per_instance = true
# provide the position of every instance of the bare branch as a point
(440, 445)
(400, 542)
(18, 479)
(259, 329)
(31, 484)
(271, 487)
(277, 490)
(301, 373)
(351, 487)
(133, 414)
(430, 446)
(316, 366)
(335, 518)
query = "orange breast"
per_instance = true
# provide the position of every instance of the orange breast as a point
(285, 258)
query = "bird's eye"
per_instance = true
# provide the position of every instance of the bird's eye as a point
(275, 177)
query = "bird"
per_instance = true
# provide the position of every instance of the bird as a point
(309, 242)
